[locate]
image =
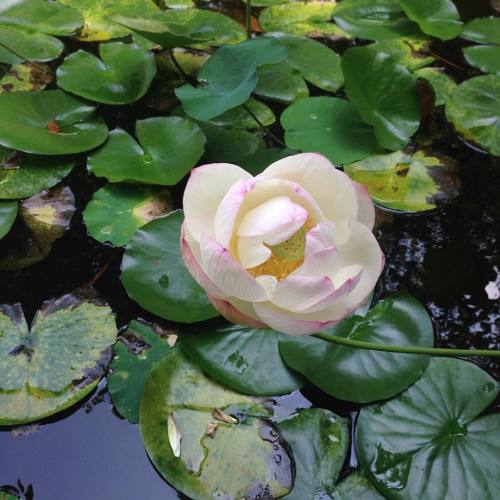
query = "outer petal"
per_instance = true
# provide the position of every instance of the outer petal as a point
(366, 209)
(228, 274)
(204, 192)
(231, 313)
(332, 189)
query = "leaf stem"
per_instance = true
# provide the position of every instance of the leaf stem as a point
(433, 351)
(263, 127)
(248, 18)
(180, 69)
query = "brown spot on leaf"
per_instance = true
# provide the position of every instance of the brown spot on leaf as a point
(53, 127)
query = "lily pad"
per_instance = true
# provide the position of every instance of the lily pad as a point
(167, 150)
(138, 349)
(356, 486)
(229, 77)
(26, 77)
(431, 442)
(97, 14)
(280, 82)
(24, 175)
(439, 18)
(385, 94)
(482, 30)
(362, 375)
(301, 19)
(51, 122)
(319, 441)
(257, 162)
(8, 214)
(412, 53)
(27, 26)
(201, 451)
(244, 359)
(407, 182)
(474, 110)
(484, 57)
(154, 274)
(328, 125)
(122, 75)
(43, 218)
(117, 211)
(48, 367)
(374, 19)
(442, 84)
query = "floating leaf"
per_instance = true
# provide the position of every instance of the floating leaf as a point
(168, 148)
(122, 75)
(319, 440)
(301, 19)
(410, 52)
(178, 4)
(155, 276)
(138, 349)
(384, 93)
(482, 30)
(117, 211)
(8, 214)
(474, 110)
(442, 84)
(374, 19)
(52, 365)
(484, 57)
(439, 18)
(97, 16)
(362, 375)
(49, 123)
(244, 359)
(430, 441)
(43, 218)
(24, 175)
(229, 77)
(356, 486)
(328, 125)
(257, 162)
(240, 460)
(26, 77)
(190, 61)
(407, 182)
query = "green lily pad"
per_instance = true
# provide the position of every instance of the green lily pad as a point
(385, 94)
(328, 125)
(362, 375)
(257, 162)
(229, 77)
(482, 30)
(138, 349)
(474, 110)
(155, 276)
(442, 84)
(178, 4)
(24, 175)
(167, 150)
(439, 18)
(280, 82)
(48, 367)
(26, 77)
(27, 26)
(319, 441)
(431, 442)
(410, 52)
(186, 27)
(49, 123)
(190, 61)
(8, 214)
(356, 486)
(202, 455)
(407, 182)
(122, 75)
(43, 218)
(484, 57)
(301, 19)
(117, 211)
(98, 25)
(244, 359)
(373, 19)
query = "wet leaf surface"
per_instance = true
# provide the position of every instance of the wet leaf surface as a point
(484, 57)
(356, 486)
(8, 214)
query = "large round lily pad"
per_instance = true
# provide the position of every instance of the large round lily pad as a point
(24, 175)
(155, 276)
(328, 125)
(385, 94)
(356, 486)
(167, 150)
(57, 361)
(431, 442)
(362, 375)
(122, 75)
(484, 57)
(408, 182)
(244, 359)
(482, 30)
(117, 211)
(49, 123)
(474, 110)
(191, 435)
(8, 214)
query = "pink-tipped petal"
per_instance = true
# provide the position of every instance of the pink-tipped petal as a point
(233, 314)
(324, 262)
(366, 209)
(320, 237)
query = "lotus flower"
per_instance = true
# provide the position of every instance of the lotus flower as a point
(291, 249)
